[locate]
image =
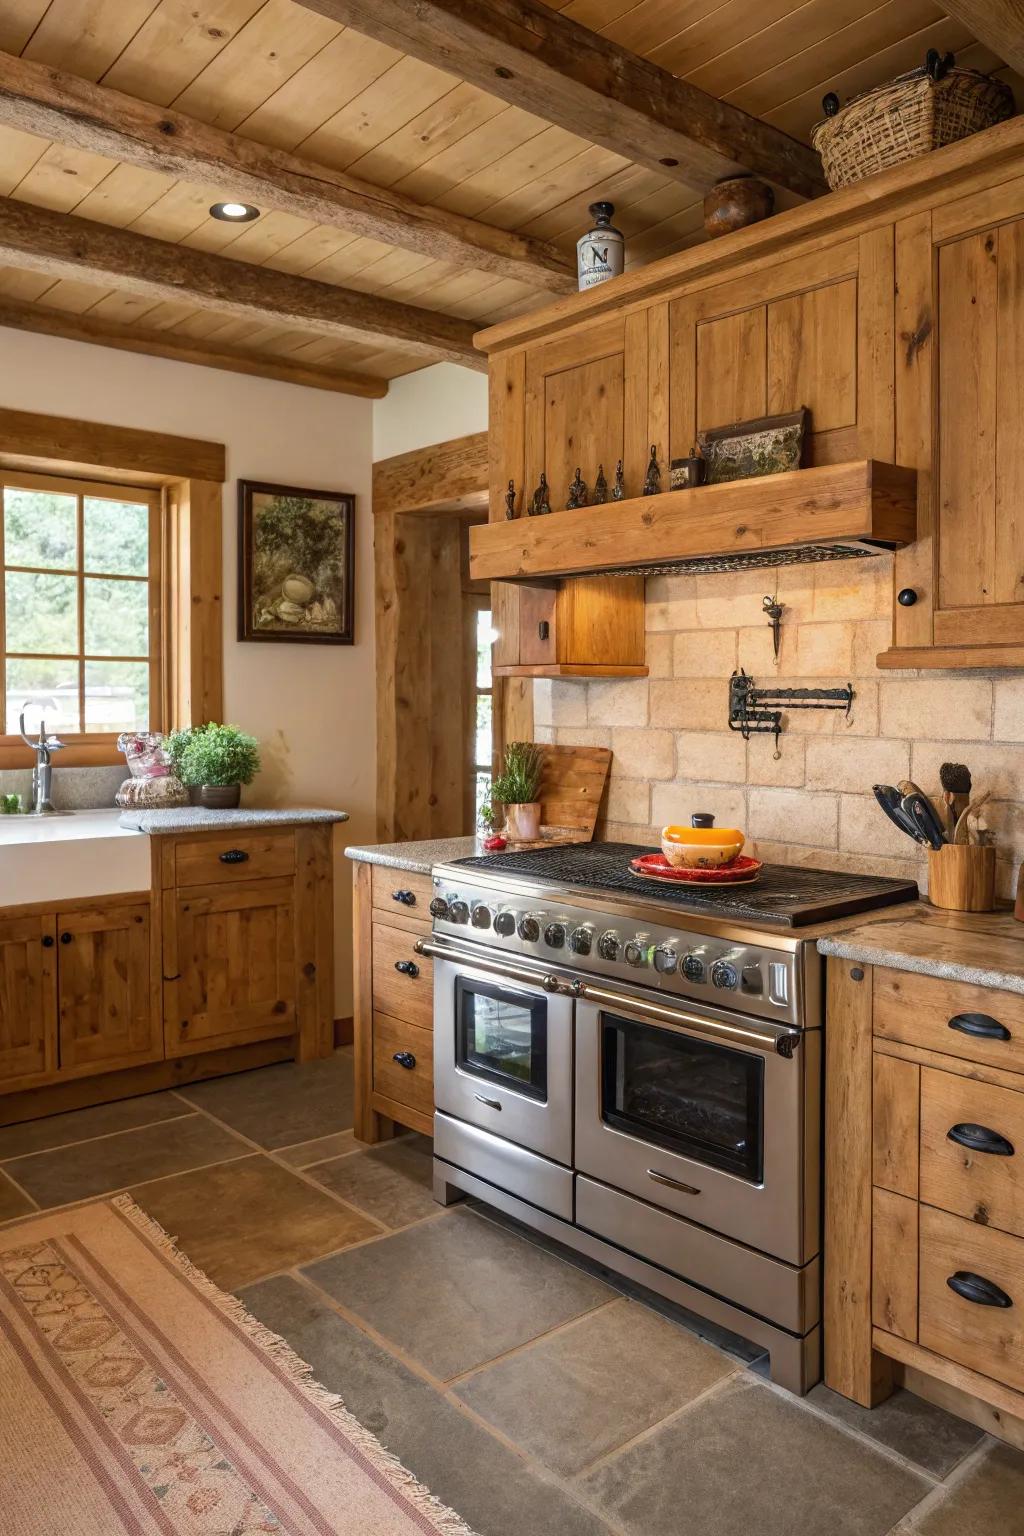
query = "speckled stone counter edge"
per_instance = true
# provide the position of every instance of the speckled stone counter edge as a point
(418, 858)
(946, 970)
(193, 818)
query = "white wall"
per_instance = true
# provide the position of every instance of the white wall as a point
(312, 707)
(428, 407)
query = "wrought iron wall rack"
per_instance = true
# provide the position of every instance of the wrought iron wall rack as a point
(758, 711)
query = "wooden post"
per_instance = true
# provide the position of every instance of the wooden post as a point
(369, 1126)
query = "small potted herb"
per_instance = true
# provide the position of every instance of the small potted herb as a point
(517, 788)
(214, 761)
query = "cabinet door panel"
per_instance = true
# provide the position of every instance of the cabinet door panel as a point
(731, 354)
(583, 423)
(812, 355)
(232, 950)
(107, 1018)
(28, 1015)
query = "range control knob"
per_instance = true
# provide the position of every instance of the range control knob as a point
(505, 923)
(458, 910)
(693, 968)
(481, 915)
(438, 907)
(581, 940)
(636, 950)
(528, 928)
(723, 974)
(608, 946)
(665, 959)
(554, 935)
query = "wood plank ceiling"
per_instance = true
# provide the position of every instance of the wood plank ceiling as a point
(280, 75)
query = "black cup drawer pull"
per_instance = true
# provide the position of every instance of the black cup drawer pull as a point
(978, 1138)
(984, 1293)
(407, 898)
(407, 967)
(233, 856)
(981, 1025)
(405, 1059)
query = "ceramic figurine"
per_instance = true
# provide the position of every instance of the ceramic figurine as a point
(540, 503)
(510, 500)
(600, 488)
(619, 488)
(601, 252)
(577, 492)
(652, 480)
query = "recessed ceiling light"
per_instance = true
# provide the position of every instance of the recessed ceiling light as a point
(235, 213)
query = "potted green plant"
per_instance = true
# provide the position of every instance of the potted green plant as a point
(214, 761)
(517, 788)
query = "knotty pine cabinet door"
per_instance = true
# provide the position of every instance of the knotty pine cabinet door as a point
(229, 965)
(814, 331)
(108, 1015)
(28, 1009)
(960, 415)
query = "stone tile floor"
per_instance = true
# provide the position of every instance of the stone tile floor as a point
(533, 1393)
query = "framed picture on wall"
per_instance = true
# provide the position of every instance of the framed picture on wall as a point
(296, 552)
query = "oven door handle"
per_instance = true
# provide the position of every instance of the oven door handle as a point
(766, 1037)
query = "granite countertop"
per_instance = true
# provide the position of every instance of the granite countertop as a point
(194, 818)
(420, 858)
(984, 949)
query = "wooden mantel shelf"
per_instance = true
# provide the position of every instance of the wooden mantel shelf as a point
(863, 502)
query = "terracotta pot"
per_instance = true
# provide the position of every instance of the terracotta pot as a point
(735, 202)
(522, 822)
(220, 797)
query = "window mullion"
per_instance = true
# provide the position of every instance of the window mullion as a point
(80, 587)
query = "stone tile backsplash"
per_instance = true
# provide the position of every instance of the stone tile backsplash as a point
(674, 753)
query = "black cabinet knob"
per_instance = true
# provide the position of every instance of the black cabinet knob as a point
(407, 967)
(906, 597)
(980, 1026)
(66, 938)
(233, 856)
(405, 1059)
(407, 898)
(48, 940)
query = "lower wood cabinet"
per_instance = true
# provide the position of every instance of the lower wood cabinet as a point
(28, 1007)
(108, 1014)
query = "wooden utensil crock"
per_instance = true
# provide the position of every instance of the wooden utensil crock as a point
(962, 877)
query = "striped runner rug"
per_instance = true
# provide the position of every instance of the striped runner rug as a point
(138, 1398)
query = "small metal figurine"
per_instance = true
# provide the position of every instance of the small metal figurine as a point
(577, 492)
(600, 488)
(540, 503)
(652, 480)
(619, 488)
(510, 500)
(774, 611)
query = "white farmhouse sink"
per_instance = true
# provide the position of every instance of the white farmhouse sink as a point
(65, 858)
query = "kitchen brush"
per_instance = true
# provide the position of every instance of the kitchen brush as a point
(955, 779)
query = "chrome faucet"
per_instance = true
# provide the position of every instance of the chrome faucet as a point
(42, 773)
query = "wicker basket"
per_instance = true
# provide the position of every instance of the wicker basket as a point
(905, 118)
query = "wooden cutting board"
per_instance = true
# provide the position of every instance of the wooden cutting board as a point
(572, 783)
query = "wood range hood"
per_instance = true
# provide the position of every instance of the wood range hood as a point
(828, 512)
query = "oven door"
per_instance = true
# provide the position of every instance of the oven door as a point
(503, 1055)
(701, 1114)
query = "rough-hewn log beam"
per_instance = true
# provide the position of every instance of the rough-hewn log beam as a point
(180, 349)
(44, 241)
(536, 58)
(55, 105)
(999, 24)
(447, 477)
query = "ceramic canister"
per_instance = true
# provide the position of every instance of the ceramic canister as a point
(601, 252)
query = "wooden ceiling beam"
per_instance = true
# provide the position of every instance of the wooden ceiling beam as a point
(999, 24)
(81, 249)
(37, 99)
(180, 349)
(536, 58)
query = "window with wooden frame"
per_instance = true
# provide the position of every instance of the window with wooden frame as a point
(80, 608)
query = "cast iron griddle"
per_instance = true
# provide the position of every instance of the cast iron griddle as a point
(782, 894)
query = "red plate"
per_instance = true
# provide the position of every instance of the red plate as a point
(655, 866)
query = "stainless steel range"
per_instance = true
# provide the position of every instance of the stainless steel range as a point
(636, 1071)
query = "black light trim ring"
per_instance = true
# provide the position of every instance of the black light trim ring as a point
(246, 216)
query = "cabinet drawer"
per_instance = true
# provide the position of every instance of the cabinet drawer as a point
(404, 994)
(235, 856)
(398, 890)
(409, 1081)
(984, 1178)
(975, 1023)
(989, 1339)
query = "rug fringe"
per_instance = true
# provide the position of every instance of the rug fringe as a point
(444, 1520)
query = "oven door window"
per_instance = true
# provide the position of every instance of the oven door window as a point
(686, 1095)
(502, 1035)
